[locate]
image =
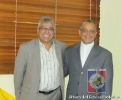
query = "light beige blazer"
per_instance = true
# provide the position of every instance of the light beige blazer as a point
(28, 68)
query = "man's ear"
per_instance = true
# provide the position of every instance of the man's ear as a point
(37, 31)
(95, 34)
(54, 33)
(79, 32)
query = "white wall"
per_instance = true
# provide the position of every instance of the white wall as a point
(110, 38)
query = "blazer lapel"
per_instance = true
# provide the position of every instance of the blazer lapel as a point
(76, 53)
(58, 51)
(59, 57)
(93, 53)
(37, 54)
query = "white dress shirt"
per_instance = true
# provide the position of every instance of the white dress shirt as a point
(49, 68)
(84, 51)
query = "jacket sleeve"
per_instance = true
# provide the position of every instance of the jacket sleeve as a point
(108, 65)
(19, 71)
(66, 67)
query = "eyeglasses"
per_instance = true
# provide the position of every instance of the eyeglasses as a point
(86, 31)
(47, 29)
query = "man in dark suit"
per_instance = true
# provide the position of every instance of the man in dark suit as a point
(38, 73)
(89, 67)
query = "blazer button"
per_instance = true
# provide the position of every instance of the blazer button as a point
(76, 94)
(81, 72)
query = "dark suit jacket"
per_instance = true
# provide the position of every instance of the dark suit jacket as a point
(99, 58)
(28, 68)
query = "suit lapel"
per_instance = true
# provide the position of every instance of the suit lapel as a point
(58, 51)
(37, 54)
(93, 53)
(59, 57)
(76, 53)
(58, 54)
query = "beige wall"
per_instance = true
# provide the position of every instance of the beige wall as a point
(7, 83)
(110, 38)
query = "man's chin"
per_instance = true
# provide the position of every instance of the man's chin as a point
(87, 42)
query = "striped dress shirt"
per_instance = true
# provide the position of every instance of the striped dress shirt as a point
(49, 68)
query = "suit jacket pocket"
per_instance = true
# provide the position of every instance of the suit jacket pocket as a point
(25, 89)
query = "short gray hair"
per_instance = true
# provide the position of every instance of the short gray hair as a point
(46, 19)
(89, 21)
